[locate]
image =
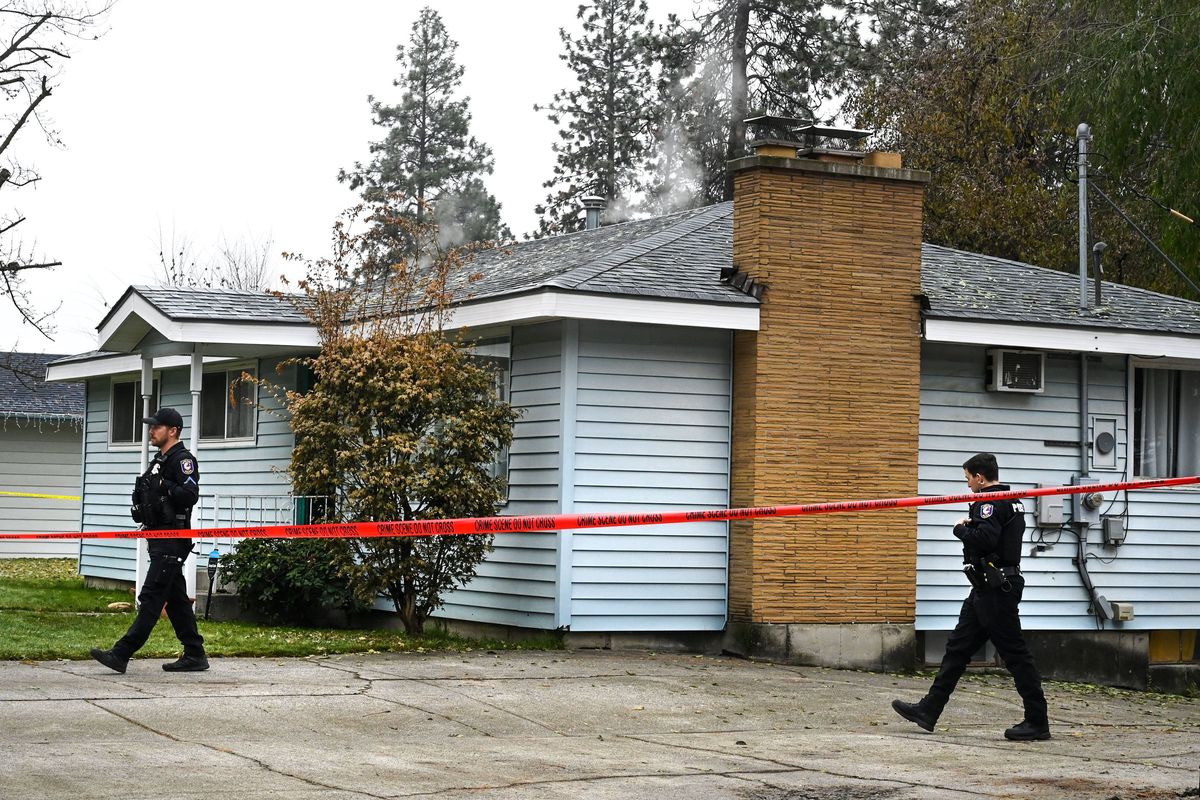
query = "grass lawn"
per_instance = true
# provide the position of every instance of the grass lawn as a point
(47, 613)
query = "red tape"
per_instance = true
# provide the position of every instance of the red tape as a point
(557, 522)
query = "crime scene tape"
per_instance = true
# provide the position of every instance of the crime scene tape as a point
(557, 522)
(42, 496)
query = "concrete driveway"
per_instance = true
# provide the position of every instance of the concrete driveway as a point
(563, 725)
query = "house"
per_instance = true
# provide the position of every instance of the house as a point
(41, 452)
(798, 344)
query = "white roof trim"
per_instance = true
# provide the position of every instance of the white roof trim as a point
(1078, 340)
(119, 364)
(212, 331)
(571, 305)
(489, 313)
(107, 365)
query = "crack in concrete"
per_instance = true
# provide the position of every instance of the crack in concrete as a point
(226, 751)
(142, 698)
(1010, 746)
(800, 768)
(486, 678)
(110, 676)
(502, 710)
(370, 684)
(593, 779)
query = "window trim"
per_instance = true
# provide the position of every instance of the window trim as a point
(223, 440)
(155, 401)
(497, 349)
(1142, 363)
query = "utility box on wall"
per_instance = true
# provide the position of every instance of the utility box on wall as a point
(1049, 509)
(1104, 443)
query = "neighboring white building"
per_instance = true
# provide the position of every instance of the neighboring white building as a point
(41, 452)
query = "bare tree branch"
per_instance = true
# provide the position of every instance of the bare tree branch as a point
(29, 31)
(20, 122)
(36, 32)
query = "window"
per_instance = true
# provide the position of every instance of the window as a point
(125, 419)
(228, 404)
(500, 465)
(1166, 435)
(495, 353)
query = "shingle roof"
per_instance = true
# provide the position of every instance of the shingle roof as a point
(24, 392)
(678, 256)
(969, 286)
(218, 304)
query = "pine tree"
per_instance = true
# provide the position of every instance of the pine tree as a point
(428, 155)
(691, 127)
(785, 57)
(605, 119)
(986, 95)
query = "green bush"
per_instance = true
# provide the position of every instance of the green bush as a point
(287, 579)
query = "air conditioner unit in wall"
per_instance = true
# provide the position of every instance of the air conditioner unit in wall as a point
(1016, 371)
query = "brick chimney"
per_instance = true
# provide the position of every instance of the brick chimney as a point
(826, 401)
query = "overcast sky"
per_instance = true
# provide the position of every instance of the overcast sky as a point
(231, 119)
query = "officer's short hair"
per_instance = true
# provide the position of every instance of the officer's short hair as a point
(983, 464)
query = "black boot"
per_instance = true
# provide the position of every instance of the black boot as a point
(188, 664)
(1026, 731)
(110, 659)
(913, 712)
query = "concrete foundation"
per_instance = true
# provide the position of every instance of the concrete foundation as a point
(1181, 679)
(107, 583)
(869, 646)
(1111, 658)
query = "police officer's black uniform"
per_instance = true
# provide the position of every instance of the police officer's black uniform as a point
(991, 539)
(163, 498)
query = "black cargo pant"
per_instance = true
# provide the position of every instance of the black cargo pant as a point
(990, 614)
(164, 584)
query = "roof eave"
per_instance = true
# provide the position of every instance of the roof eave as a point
(1070, 338)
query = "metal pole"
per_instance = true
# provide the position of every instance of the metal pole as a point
(194, 383)
(1098, 275)
(1083, 133)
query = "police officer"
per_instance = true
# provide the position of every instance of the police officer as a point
(162, 499)
(991, 536)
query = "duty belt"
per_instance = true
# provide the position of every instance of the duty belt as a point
(1010, 571)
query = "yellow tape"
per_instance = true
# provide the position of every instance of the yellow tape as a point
(43, 496)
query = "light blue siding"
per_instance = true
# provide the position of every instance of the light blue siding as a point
(652, 432)
(107, 480)
(224, 468)
(516, 585)
(1158, 569)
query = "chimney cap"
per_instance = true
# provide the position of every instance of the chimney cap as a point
(773, 121)
(811, 129)
(593, 201)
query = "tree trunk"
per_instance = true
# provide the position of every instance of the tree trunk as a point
(404, 597)
(737, 90)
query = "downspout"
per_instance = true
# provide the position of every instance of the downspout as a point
(569, 397)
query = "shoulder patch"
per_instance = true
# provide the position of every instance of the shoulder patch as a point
(188, 466)
(986, 510)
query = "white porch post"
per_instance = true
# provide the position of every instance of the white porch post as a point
(142, 554)
(189, 566)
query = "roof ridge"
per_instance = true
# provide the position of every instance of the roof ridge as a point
(213, 290)
(704, 217)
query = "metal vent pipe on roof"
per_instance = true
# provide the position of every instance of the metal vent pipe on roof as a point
(594, 206)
